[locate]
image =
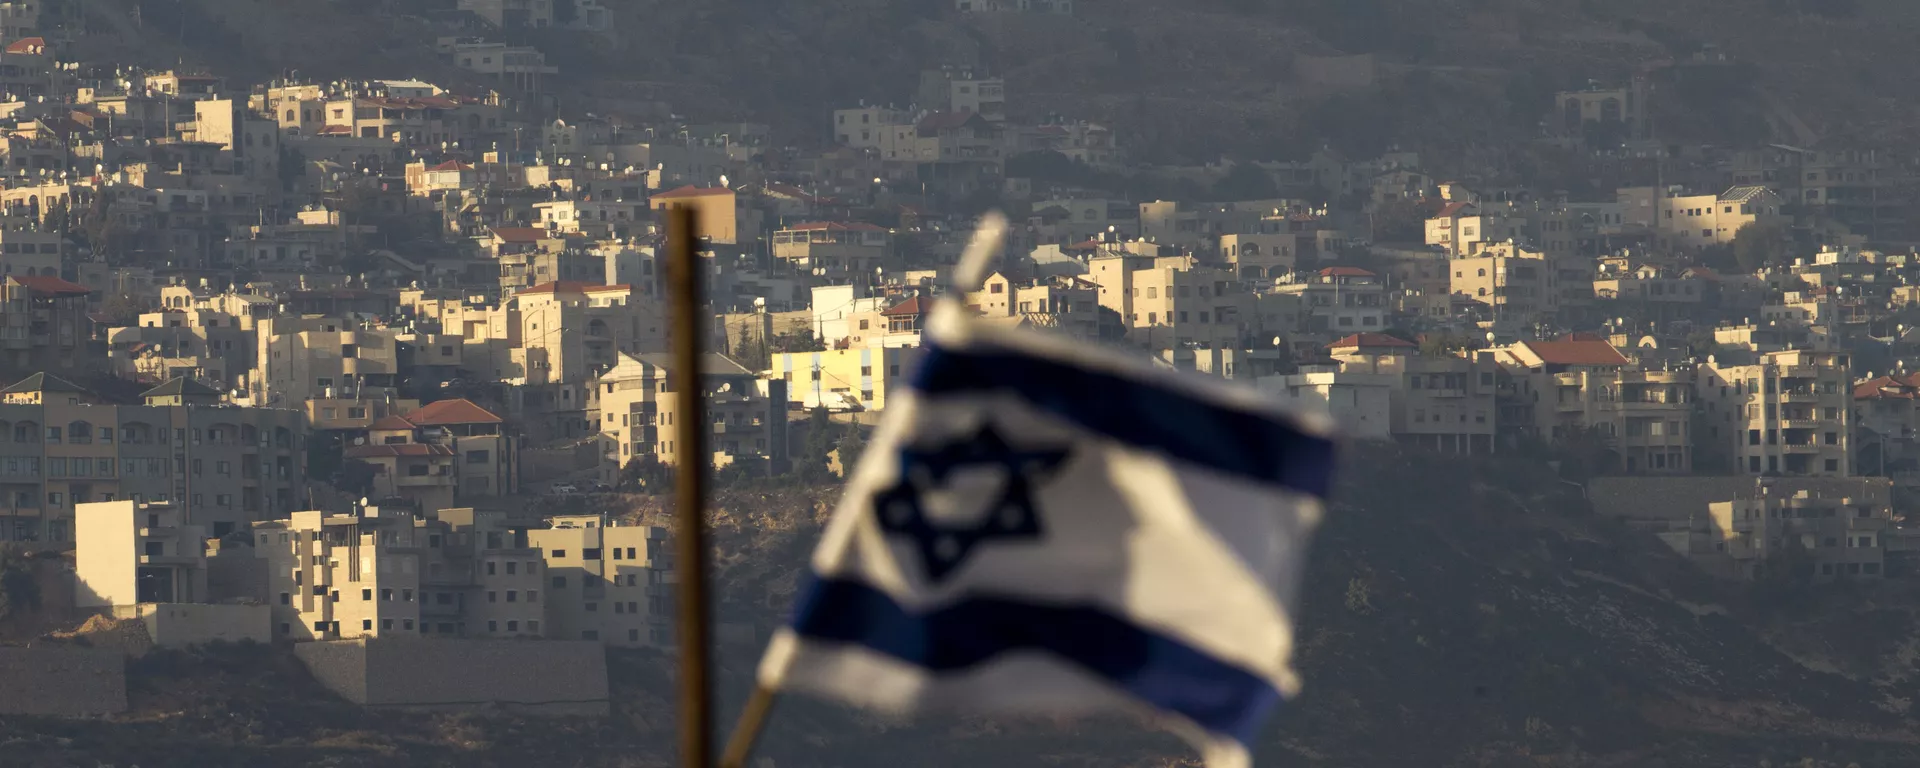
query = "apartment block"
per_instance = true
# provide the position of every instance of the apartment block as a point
(835, 250)
(1337, 301)
(1842, 529)
(636, 414)
(459, 573)
(128, 552)
(224, 465)
(1789, 414)
(843, 379)
(1170, 301)
(1520, 284)
(1443, 403)
(607, 582)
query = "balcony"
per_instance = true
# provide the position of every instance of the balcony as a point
(1801, 396)
(167, 560)
(1807, 449)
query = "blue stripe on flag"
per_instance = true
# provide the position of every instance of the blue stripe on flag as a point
(1230, 440)
(1163, 672)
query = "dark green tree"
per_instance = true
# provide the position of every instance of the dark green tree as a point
(1761, 245)
(1246, 181)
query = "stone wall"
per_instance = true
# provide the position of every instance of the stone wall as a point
(62, 682)
(547, 677)
(177, 625)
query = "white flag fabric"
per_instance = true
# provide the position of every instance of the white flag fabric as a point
(1043, 527)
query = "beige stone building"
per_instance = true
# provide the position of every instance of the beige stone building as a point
(1570, 387)
(127, 553)
(1070, 305)
(1261, 258)
(1789, 414)
(858, 379)
(835, 250)
(224, 465)
(1519, 283)
(376, 574)
(1170, 301)
(607, 582)
(1444, 403)
(1338, 301)
(635, 403)
(315, 362)
(1842, 526)
(1696, 221)
(714, 208)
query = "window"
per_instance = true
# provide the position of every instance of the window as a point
(592, 607)
(592, 553)
(366, 594)
(366, 624)
(490, 568)
(533, 595)
(512, 567)
(493, 597)
(386, 595)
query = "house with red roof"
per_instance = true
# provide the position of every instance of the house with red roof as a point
(1578, 388)
(485, 460)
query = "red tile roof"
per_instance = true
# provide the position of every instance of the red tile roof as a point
(520, 234)
(390, 423)
(940, 121)
(834, 226)
(913, 306)
(691, 191)
(1888, 387)
(51, 284)
(1451, 210)
(28, 45)
(452, 165)
(575, 286)
(1576, 352)
(1346, 272)
(459, 411)
(402, 449)
(1370, 340)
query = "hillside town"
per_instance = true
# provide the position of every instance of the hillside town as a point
(309, 362)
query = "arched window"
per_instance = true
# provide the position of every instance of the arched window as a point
(1483, 273)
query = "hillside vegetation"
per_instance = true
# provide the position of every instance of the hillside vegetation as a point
(1181, 82)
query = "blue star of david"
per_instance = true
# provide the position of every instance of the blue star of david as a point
(1011, 516)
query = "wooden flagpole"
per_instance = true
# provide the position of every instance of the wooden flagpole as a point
(690, 519)
(967, 276)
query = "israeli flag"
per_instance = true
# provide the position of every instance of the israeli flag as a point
(1044, 528)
